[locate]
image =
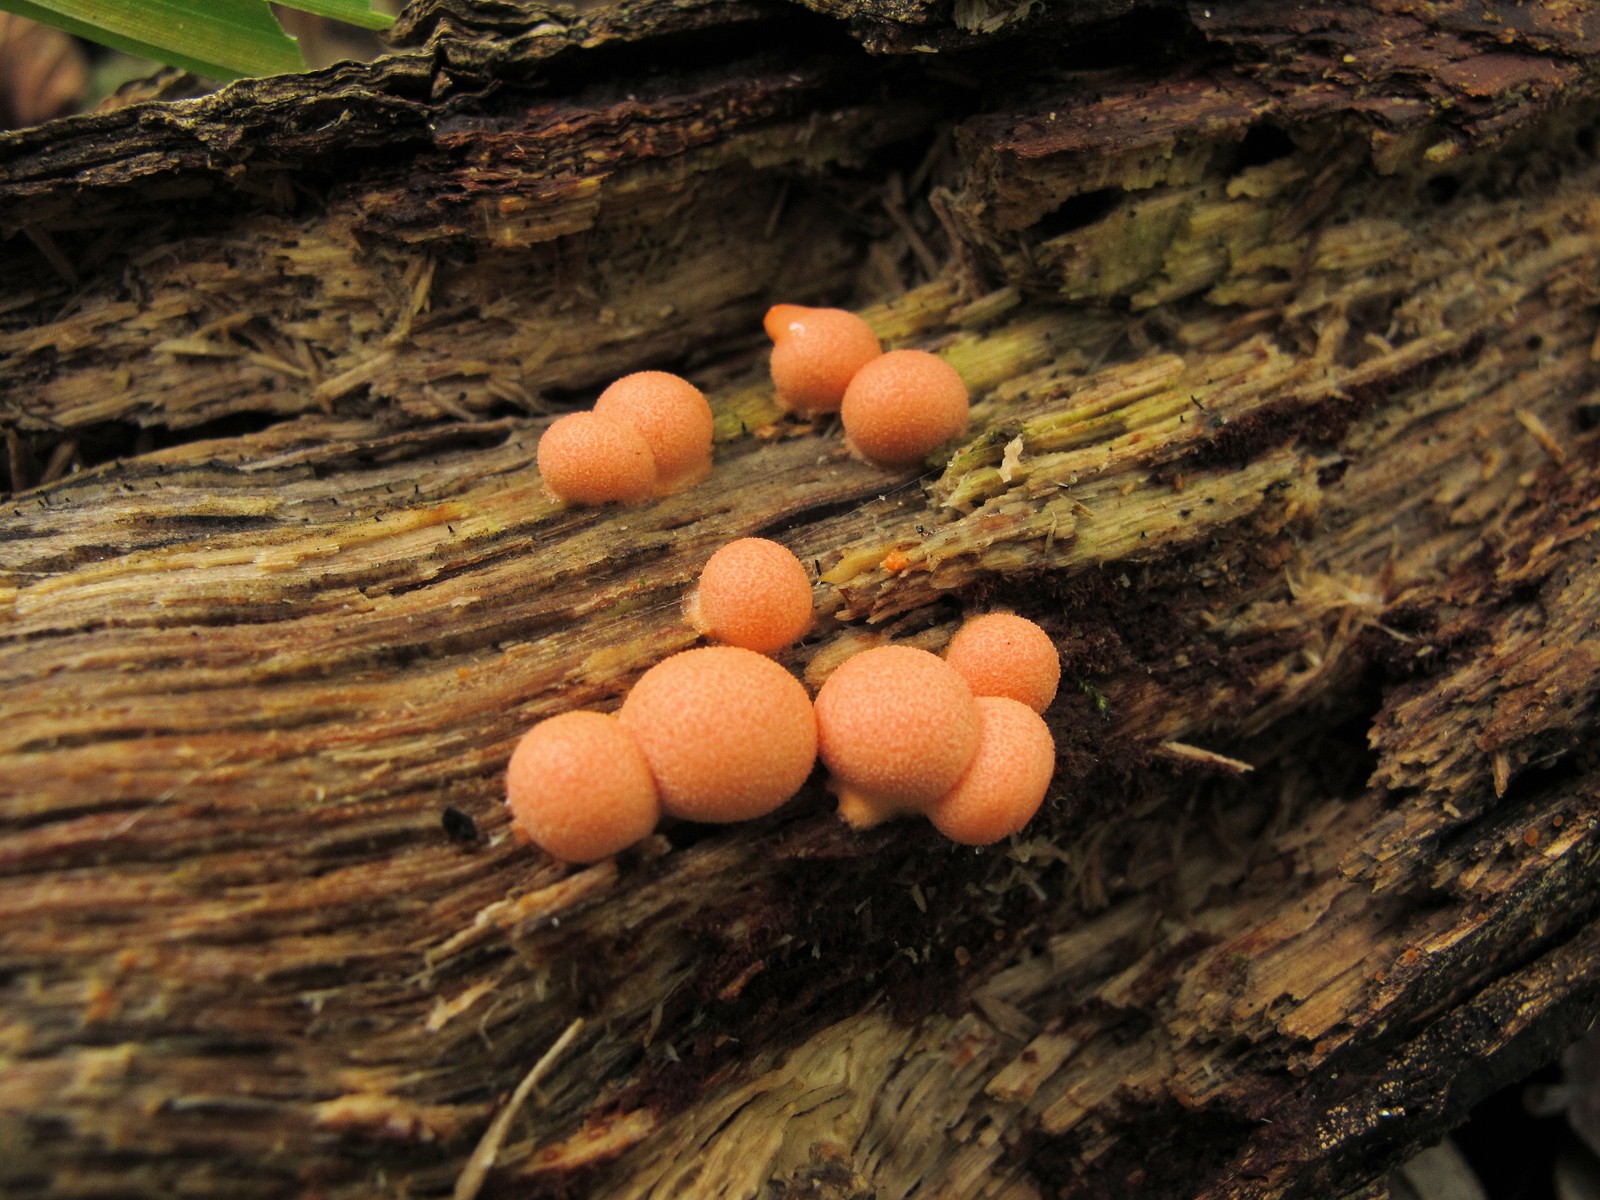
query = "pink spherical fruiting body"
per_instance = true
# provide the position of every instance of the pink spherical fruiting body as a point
(585, 458)
(896, 726)
(578, 786)
(902, 406)
(1002, 654)
(1006, 781)
(752, 593)
(673, 418)
(728, 733)
(815, 354)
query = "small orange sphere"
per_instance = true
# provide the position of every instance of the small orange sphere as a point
(1002, 654)
(579, 787)
(815, 353)
(728, 733)
(752, 593)
(897, 727)
(1007, 779)
(672, 416)
(902, 406)
(586, 458)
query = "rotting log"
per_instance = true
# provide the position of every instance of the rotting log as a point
(1282, 332)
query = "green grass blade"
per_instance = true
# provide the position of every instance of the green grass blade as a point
(351, 12)
(223, 39)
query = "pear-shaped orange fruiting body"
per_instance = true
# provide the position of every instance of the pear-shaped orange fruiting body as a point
(896, 726)
(815, 354)
(1002, 654)
(728, 733)
(1007, 779)
(752, 593)
(579, 787)
(902, 406)
(672, 416)
(585, 458)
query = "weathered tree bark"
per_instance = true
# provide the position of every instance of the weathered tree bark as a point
(1281, 325)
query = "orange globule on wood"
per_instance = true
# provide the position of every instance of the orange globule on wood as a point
(673, 418)
(896, 726)
(728, 733)
(1006, 780)
(587, 458)
(752, 593)
(815, 354)
(902, 406)
(1002, 654)
(578, 786)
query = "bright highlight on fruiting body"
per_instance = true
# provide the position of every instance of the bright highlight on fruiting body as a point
(1007, 779)
(752, 593)
(579, 787)
(815, 354)
(1002, 654)
(728, 733)
(896, 726)
(902, 406)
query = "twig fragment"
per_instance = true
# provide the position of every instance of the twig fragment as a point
(1183, 752)
(478, 1165)
(1541, 434)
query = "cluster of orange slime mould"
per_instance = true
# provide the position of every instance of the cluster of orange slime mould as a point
(724, 733)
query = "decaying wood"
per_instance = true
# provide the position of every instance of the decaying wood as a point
(1282, 334)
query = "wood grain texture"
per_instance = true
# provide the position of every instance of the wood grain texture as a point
(1284, 376)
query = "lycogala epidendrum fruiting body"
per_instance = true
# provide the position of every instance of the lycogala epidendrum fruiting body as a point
(673, 418)
(1002, 654)
(578, 786)
(728, 733)
(585, 458)
(815, 354)
(1006, 780)
(896, 726)
(902, 406)
(752, 593)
